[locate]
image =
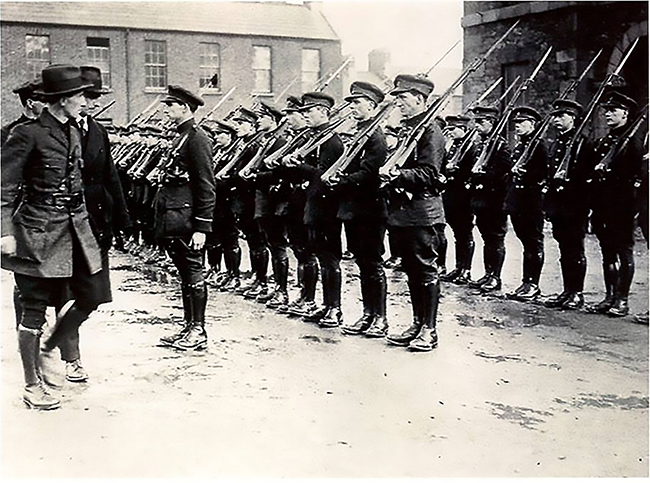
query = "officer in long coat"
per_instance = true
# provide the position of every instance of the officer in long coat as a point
(184, 206)
(47, 240)
(416, 213)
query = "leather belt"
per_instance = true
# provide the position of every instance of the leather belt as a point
(66, 200)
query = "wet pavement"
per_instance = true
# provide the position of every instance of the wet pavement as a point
(513, 390)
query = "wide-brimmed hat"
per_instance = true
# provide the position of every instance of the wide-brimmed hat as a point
(93, 76)
(61, 79)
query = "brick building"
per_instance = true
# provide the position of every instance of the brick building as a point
(141, 47)
(575, 29)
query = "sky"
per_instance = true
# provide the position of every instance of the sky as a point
(415, 32)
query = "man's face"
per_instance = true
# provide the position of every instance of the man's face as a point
(362, 108)
(523, 127)
(408, 103)
(563, 121)
(296, 120)
(265, 123)
(92, 103)
(615, 116)
(222, 140)
(483, 125)
(73, 105)
(175, 111)
(244, 128)
(456, 132)
(315, 116)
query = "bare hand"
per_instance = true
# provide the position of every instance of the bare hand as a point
(8, 245)
(198, 240)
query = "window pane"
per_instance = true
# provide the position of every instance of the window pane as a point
(261, 57)
(209, 63)
(310, 60)
(262, 81)
(37, 53)
(155, 60)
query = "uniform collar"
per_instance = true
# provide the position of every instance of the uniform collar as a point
(413, 121)
(185, 126)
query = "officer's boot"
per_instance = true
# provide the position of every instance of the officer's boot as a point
(558, 299)
(610, 274)
(35, 394)
(363, 322)
(465, 260)
(196, 338)
(427, 339)
(404, 338)
(187, 318)
(575, 300)
(232, 258)
(487, 266)
(281, 272)
(620, 306)
(379, 327)
(497, 258)
(334, 315)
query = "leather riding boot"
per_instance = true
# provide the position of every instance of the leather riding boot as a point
(404, 338)
(263, 265)
(186, 294)
(35, 395)
(610, 275)
(281, 273)
(68, 323)
(363, 322)
(427, 338)
(196, 338)
(309, 279)
(333, 318)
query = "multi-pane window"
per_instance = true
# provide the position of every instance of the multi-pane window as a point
(310, 68)
(262, 68)
(37, 48)
(155, 63)
(99, 55)
(210, 63)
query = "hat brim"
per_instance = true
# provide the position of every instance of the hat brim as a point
(74, 90)
(524, 118)
(306, 107)
(611, 105)
(171, 99)
(100, 92)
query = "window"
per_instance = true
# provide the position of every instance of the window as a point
(155, 64)
(209, 64)
(262, 68)
(99, 55)
(37, 48)
(310, 69)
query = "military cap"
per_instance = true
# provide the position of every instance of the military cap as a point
(293, 104)
(60, 80)
(312, 99)
(412, 83)
(485, 112)
(220, 126)
(266, 109)
(183, 96)
(370, 91)
(525, 113)
(561, 106)
(93, 76)
(245, 115)
(460, 121)
(616, 99)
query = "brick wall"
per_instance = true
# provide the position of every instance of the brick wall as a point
(576, 33)
(68, 45)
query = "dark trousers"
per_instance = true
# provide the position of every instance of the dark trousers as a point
(615, 233)
(224, 240)
(298, 235)
(275, 235)
(492, 223)
(529, 228)
(569, 231)
(257, 250)
(461, 222)
(326, 241)
(418, 246)
(365, 237)
(188, 262)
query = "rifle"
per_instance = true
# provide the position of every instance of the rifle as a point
(147, 109)
(286, 89)
(236, 155)
(275, 157)
(321, 85)
(604, 167)
(104, 109)
(444, 56)
(490, 145)
(356, 144)
(561, 176)
(487, 92)
(519, 169)
(256, 160)
(406, 147)
(316, 141)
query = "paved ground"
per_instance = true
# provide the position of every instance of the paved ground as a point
(513, 390)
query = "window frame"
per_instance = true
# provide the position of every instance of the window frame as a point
(213, 68)
(157, 88)
(269, 70)
(36, 65)
(107, 79)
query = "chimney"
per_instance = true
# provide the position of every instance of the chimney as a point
(377, 61)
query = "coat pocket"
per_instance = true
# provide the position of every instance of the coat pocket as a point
(31, 237)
